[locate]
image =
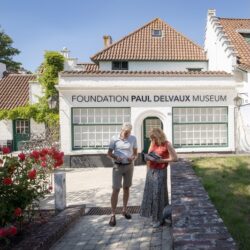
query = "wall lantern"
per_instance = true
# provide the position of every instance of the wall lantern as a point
(238, 101)
(52, 102)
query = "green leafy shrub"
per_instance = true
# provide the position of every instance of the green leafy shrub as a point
(24, 179)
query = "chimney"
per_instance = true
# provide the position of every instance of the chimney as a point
(107, 40)
(65, 52)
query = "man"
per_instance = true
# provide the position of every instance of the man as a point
(123, 150)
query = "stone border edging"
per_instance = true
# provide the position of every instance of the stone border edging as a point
(50, 232)
(195, 221)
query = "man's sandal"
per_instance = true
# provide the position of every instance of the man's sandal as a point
(112, 221)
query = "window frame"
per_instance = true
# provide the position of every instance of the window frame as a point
(194, 69)
(199, 123)
(73, 125)
(154, 33)
(120, 66)
(246, 36)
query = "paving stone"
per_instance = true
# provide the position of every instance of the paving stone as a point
(89, 247)
(192, 210)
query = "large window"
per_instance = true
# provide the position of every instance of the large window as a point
(94, 127)
(200, 127)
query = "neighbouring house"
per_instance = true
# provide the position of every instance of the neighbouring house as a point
(153, 77)
(227, 45)
(17, 90)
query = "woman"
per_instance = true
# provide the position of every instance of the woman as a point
(155, 196)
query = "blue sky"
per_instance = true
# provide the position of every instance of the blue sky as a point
(79, 25)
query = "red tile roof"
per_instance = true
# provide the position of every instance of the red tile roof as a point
(121, 73)
(14, 90)
(141, 45)
(233, 28)
(89, 66)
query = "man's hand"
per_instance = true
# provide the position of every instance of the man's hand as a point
(118, 159)
(132, 158)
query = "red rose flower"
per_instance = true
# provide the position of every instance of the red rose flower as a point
(18, 212)
(56, 155)
(50, 188)
(21, 156)
(11, 230)
(3, 232)
(43, 158)
(51, 151)
(6, 150)
(58, 163)
(32, 174)
(7, 181)
(44, 164)
(35, 154)
(43, 152)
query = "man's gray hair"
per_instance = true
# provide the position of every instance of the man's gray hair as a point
(127, 126)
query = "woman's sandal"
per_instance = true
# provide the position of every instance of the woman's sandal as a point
(127, 215)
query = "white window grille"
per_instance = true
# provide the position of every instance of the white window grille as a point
(94, 127)
(200, 127)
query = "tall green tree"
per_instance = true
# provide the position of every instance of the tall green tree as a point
(7, 52)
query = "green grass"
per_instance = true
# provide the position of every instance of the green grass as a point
(227, 181)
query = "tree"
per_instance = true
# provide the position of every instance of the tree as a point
(7, 52)
(52, 65)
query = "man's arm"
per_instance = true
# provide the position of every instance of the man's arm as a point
(135, 153)
(111, 155)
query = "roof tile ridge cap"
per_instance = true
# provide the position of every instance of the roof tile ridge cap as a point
(180, 33)
(17, 74)
(91, 63)
(233, 18)
(126, 36)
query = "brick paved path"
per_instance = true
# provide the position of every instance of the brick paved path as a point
(93, 232)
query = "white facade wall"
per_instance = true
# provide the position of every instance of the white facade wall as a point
(222, 56)
(150, 83)
(71, 64)
(6, 130)
(87, 86)
(35, 91)
(65, 125)
(243, 129)
(157, 66)
(220, 52)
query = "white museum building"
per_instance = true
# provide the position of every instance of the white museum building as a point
(157, 77)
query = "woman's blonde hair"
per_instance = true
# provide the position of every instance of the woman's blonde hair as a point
(157, 135)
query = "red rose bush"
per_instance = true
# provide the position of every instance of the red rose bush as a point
(24, 180)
